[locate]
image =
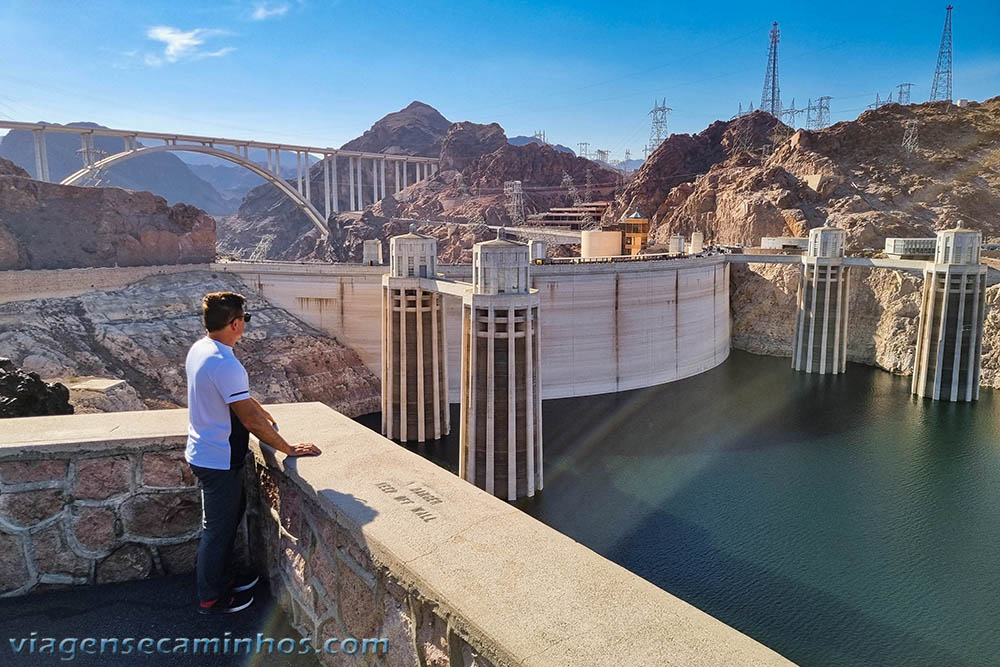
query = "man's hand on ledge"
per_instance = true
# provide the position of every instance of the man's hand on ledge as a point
(303, 449)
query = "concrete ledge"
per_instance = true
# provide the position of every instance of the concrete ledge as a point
(511, 587)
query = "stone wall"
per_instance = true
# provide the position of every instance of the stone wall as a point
(95, 517)
(55, 283)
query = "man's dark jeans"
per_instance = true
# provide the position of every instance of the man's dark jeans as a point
(223, 505)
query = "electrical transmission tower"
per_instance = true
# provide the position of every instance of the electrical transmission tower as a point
(574, 194)
(742, 137)
(601, 156)
(741, 112)
(515, 201)
(770, 97)
(910, 139)
(789, 114)
(818, 115)
(903, 93)
(941, 89)
(540, 135)
(879, 102)
(658, 127)
(584, 147)
(259, 253)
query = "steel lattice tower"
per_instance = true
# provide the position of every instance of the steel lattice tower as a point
(941, 89)
(770, 97)
(515, 201)
(903, 96)
(658, 127)
(911, 141)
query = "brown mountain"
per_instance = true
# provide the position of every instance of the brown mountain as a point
(476, 160)
(854, 174)
(417, 129)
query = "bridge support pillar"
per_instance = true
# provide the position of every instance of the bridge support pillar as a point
(335, 186)
(500, 448)
(41, 156)
(405, 165)
(395, 182)
(326, 186)
(381, 168)
(298, 160)
(307, 166)
(350, 180)
(414, 357)
(948, 356)
(375, 196)
(820, 341)
(360, 189)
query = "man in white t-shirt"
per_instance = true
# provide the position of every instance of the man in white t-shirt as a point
(222, 414)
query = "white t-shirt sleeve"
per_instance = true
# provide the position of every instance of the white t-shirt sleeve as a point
(232, 381)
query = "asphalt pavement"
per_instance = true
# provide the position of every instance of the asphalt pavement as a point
(162, 610)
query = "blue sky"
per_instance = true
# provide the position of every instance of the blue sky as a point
(321, 71)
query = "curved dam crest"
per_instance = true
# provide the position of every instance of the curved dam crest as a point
(605, 327)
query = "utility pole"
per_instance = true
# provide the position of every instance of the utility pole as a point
(515, 201)
(790, 113)
(818, 115)
(658, 127)
(574, 194)
(903, 93)
(910, 139)
(770, 97)
(941, 88)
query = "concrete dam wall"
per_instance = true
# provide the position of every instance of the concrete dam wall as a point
(605, 327)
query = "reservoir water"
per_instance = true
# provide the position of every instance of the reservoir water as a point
(838, 520)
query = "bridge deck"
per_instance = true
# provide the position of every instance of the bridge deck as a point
(201, 140)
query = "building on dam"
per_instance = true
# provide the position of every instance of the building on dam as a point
(501, 398)
(820, 340)
(952, 309)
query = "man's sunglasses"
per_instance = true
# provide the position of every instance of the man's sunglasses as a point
(245, 316)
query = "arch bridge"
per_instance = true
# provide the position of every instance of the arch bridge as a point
(237, 151)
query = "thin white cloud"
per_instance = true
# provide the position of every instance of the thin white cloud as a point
(264, 10)
(181, 44)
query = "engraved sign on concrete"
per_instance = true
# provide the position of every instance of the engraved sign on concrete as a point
(415, 495)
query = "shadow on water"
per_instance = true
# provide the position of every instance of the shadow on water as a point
(835, 519)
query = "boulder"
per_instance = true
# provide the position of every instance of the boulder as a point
(27, 395)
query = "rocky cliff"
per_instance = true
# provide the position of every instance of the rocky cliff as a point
(882, 326)
(161, 173)
(855, 175)
(683, 158)
(50, 226)
(141, 334)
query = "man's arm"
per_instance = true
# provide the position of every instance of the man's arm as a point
(258, 422)
(266, 413)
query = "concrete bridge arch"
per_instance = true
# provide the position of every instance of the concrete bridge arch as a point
(315, 217)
